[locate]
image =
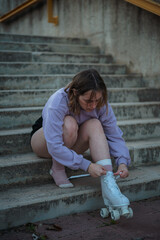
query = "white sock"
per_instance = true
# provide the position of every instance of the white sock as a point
(106, 163)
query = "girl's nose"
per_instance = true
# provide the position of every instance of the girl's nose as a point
(93, 105)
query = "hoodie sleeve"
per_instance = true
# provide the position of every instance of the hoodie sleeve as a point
(117, 146)
(53, 118)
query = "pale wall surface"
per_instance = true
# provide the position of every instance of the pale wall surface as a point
(130, 34)
(8, 5)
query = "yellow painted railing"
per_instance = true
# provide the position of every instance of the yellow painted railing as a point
(26, 5)
(151, 6)
(51, 19)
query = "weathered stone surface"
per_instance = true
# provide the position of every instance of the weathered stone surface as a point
(41, 39)
(6, 56)
(28, 192)
(35, 47)
(58, 68)
(46, 201)
(26, 116)
(60, 80)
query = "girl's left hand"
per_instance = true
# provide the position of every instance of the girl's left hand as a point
(122, 171)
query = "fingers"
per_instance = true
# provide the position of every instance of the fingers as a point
(96, 170)
(116, 173)
(103, 171)
(122, 171)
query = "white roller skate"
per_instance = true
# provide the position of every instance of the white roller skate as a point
(116, 203)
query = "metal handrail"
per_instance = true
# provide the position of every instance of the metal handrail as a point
(51, 19)
(17, 10)
(149, 5)
(26, 5)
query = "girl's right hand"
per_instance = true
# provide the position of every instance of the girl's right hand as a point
(96, 170)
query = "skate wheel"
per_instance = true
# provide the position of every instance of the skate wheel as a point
(104, 212)
(115, 215)
(130, 215)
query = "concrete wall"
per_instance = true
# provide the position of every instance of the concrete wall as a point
(130, 34)
(8, 5)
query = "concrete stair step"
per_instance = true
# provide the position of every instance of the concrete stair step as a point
(60, 80)
(27, 191)
(29, 169)
(137, 129)
(26, 169)
(136, 110)
(48, 47)
(23, 169)
(59, 68)
(34, 203)
(14, 56)
(38, 97)
(26, 116)
(134, 94)
(14, 141)
(19, 117)
(40, 39)
(144, 152)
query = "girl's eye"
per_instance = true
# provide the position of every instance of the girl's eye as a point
(90, 101)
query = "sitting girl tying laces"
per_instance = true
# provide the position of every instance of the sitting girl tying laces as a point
(74, 119)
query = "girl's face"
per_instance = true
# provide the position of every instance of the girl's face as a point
(87, 103)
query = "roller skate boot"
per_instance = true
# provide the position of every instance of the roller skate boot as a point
(116, 203)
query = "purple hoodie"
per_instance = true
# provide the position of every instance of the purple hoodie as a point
(53, 115)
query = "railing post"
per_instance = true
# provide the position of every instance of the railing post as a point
(51, 18)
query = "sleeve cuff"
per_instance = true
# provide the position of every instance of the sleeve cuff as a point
(123, 161)
(85, 164)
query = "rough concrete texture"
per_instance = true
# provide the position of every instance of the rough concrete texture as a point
(130, 33)
(61, 80)
(25, 116)
(34, 203)
(31, 169)
(18, 140)
(59, 68)
(38, 97)
(53, 57)
(8, 5)
(27, 192)
(4, 37)
(47, 47)
(90, 226)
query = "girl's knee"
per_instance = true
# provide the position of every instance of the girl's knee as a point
(70, 127)
(93, 124)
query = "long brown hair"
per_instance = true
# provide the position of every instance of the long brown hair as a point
(83, 82)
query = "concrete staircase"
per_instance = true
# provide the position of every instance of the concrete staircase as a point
(31, 69)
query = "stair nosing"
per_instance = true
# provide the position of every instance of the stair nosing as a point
(31, 157)
(45, 193)
(53, 89)
(112, 104)
(120, 123)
